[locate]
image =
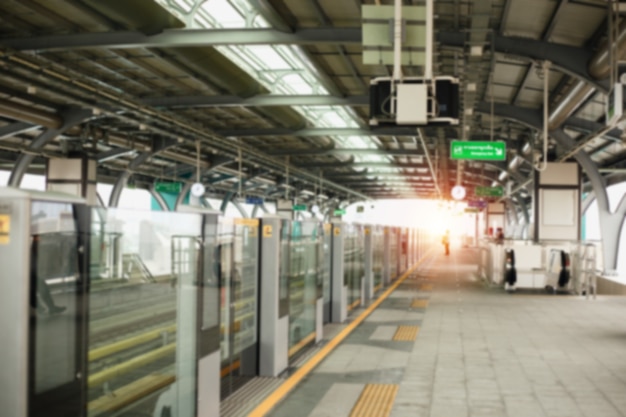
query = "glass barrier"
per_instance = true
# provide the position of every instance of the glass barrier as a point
(238, 247)
(304, 283)
(284, 271)
(393, 253)
(326, 266)
(55, 302)
(142, 286)
(354, 263)
(378, 253)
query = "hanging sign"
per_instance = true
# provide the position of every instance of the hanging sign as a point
(167, 187)
(478, 150)
(488, 191)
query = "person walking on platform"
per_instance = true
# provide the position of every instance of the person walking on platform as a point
(39, 291)
(445, 240)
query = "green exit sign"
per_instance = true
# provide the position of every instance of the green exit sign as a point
(168, 187)
(488, 191)
(339, 212)
(299, 207)
(481, 151)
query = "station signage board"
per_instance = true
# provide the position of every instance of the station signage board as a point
(479, 204)
(472, 210)
(254, 200)
(339, 212)
(168, 187)
(299, 207)
(478, 150)
(488, 191)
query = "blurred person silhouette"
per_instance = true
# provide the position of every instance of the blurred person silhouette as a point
(39, 291)
(499, 236)
(445, 240)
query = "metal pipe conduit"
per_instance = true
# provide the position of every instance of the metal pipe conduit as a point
(177, 124)
(598, 68)
(24, 113)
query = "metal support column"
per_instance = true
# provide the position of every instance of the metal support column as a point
(274, 302)
(158, 198)
(339, 290)
(70, 119)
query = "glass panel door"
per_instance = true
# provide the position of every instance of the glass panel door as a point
(57, 320)
(354, 258)
(238, 242)
(378, 256)
(143, 318)
(304, 284)
(326, 262)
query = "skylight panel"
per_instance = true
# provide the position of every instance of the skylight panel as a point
(269, 57)
(202, 21)
(184, 5)
(332, 119)
(298, 84)
(370, 158)
(362, 142)
(224, 13)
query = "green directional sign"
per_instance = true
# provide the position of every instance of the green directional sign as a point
(299, 207)
(475, 150)
(488, 191)
(167, 187)
(339, 212)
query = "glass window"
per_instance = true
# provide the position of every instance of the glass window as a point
(224, 13)
(143, 311)
(54, 297)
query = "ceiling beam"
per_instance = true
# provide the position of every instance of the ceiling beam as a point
(334, 151)
(186, 38)
(534, 120)
(341, 165)
(554, 20)
(589, 126)
(181, 102)
(16, 128)
(318, 132)
(572, 60)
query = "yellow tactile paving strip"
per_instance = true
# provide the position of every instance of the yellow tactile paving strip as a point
(406, 333)
(426, 287)
(419, 303)
(376, 400)
(269, 402)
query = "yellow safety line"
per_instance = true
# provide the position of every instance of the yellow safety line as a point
(140, 339)
(376, 400)
(130, 365)
(273, 399)
(406, 333)
(302, 343)
(129, 394)
(230, 368)
(354, 304)
(419, 303)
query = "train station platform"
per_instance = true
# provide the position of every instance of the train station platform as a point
(444, 344)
